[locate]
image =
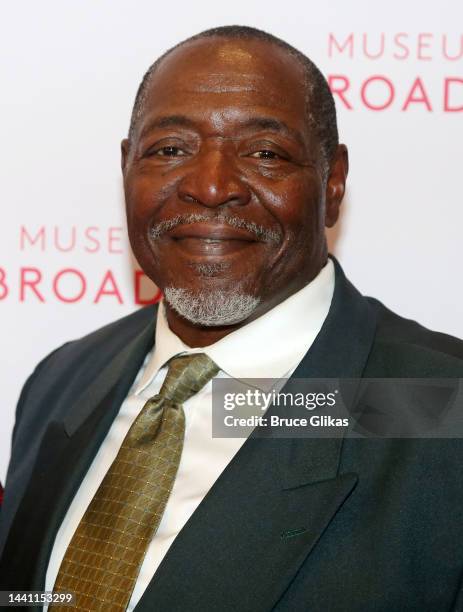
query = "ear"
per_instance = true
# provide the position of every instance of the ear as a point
(125, 145)
(336, 184)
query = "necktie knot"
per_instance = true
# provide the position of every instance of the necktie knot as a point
(186, 376)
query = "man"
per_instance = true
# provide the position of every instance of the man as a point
(232, 169)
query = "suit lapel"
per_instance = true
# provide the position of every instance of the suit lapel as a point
(264, 515)
(66, 451)
(247, 539)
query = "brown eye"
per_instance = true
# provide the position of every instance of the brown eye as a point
(169, 152)
(265, 154)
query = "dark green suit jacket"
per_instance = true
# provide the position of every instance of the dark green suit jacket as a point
(317, 525)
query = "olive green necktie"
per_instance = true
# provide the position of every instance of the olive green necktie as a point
(103, 560)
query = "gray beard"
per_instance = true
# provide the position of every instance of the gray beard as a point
(211, 308)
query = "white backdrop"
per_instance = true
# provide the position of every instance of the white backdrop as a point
(69, 72)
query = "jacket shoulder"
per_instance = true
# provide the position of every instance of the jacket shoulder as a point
(405, 348)
(52, 388)
(117, 332)
(78, 362)
(110, 338)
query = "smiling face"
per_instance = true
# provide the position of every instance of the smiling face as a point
(224, 184)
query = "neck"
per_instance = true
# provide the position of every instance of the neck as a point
(197, 335)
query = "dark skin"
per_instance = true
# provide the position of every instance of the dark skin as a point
(224, 133)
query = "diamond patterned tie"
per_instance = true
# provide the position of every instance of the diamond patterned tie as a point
(103, 560)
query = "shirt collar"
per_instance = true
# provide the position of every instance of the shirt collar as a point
(271, 346)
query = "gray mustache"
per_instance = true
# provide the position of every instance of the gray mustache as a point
(261, 233)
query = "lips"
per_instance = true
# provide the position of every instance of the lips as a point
(208, 239)
(211, 231)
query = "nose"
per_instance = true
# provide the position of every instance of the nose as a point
(213, 180)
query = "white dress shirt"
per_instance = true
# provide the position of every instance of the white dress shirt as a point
(271, 346)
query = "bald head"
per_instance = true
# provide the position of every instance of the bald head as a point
(319, 111)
